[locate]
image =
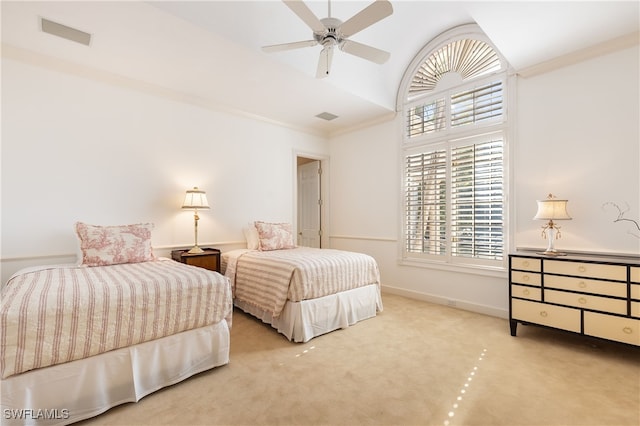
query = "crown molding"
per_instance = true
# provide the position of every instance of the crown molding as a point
(610, 46)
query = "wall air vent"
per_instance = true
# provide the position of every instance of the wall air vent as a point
(63, 31)
(326, 116)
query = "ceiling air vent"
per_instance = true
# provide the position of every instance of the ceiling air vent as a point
(63, 31)
(326, 116)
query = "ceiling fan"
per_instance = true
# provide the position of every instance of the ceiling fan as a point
(331, 32)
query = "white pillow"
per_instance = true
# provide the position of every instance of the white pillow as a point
(252, 237)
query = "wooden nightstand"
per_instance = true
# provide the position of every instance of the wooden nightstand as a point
(210, 259)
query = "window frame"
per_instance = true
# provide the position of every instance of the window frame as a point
(447, 138)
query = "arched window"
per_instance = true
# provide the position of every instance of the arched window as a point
(453, 98)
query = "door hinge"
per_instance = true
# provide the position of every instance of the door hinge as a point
(319, 170)
(320, 202)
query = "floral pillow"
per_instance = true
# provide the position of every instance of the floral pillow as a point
(274, 236)
(112, 245)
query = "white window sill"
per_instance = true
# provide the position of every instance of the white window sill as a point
(484, 270)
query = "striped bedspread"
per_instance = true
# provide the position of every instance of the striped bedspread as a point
(60, 314)
(267, 279)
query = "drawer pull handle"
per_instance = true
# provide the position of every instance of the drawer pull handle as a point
(627, 330)
(526, 292)
(582, 300)
(582, 284)
(525, 278)
(543, 314)
(582, 269)
(525, 263)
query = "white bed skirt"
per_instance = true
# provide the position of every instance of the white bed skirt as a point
(302, 321)
(74, 391)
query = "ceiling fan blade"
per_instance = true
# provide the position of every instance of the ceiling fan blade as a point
(299, 8)
(371, 14)
(324, 63)
(366, 52)
(289, 46)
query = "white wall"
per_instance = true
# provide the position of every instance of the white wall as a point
(576, 136)
(78, 149)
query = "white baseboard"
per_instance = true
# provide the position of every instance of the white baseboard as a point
(453, 303)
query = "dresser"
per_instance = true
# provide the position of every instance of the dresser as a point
(591, 295)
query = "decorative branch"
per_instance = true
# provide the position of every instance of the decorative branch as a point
(621, 217)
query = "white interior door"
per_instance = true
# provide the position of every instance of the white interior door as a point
(309, 204)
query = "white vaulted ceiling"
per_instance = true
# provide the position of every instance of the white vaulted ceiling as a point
(209, 52)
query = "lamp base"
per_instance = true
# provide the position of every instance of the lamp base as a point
(554, 232)
(551, 253)
(195, 250)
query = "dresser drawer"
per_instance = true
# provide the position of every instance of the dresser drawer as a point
(525, 264)
(635, 274)
(635, 291)
(552, 316)
(635, 309)
(596, 303)
(626, 330)
(608, 288)
(529, 278)
(583, 269)
(523, 292)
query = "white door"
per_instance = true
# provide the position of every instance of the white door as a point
(309, 204)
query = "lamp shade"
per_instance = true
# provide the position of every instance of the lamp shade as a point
(195, 199)
(552, 209)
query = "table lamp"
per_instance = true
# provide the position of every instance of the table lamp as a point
(552, 209)
(195, 199)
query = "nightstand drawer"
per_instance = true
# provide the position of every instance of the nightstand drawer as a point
(552, 316)
(525, 264)
(206, 262)
(608, 288)
(624, 330)
(635, 309)
(523, 292)
(635, 274)
(583, 269)
(529, 278)
(596, 303)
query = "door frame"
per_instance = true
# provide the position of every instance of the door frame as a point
(324, 193)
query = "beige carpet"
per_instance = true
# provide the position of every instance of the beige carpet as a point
(414, 364)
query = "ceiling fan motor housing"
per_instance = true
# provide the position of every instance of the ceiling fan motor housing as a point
(331, 35)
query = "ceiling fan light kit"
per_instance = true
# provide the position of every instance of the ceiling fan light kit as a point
(330, 32)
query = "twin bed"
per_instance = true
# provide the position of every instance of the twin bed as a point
(304, 292)
(122, 323)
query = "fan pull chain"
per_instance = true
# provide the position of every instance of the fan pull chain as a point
(327, 58)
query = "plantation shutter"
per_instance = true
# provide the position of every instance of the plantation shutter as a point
(426, 118)
(471, 106)
(426, 196)
(477, 177)
(475, 105)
